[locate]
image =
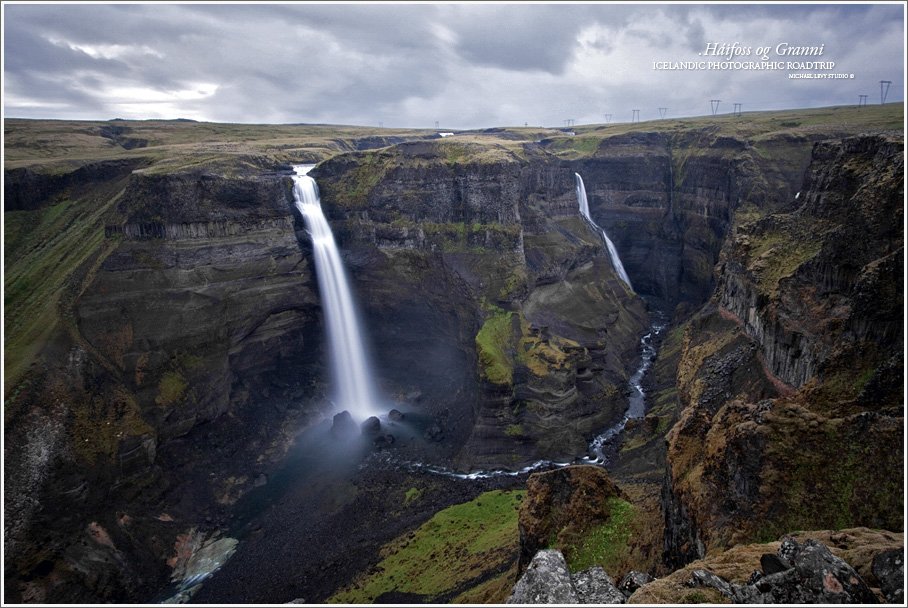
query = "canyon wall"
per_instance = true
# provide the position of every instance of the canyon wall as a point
(181, 349)
(790, 380)
(478, 276)
(196, 305)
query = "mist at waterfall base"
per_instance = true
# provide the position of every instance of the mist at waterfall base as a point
(350, 370)
(610, 246)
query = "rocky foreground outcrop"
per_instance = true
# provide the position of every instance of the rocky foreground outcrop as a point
(805, 567)
(562, 507)
(800, 569)
(548, 581)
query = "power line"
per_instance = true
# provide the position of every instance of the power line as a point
(635, 115)
(737, 110)
(862, 101)
(714, 105)
(608, 118)
(662, 112)
(883, 93)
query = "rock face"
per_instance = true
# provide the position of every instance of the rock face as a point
(561, 506)
(196, 301)
(206, 299)
(667, 201)
(843, 242)
(790, 381)
(486, 293)
(548, 581)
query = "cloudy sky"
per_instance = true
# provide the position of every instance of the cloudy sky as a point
(464, 65)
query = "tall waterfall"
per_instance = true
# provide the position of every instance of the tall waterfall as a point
(349, 367)
(612, 252)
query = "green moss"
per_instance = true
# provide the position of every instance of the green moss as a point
(495, 345)
(100, 423)
(515, 282)
(606, 544)
(44, 249)
(366, 170)
(704, 596)
(494, 591)
(456, 546)
(412, 495)
(575, 146)
(832, 479)
(171, 388)
(514, 430)
(777, 247)
(642, 435)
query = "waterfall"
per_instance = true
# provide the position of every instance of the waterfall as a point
(609, 245)
(350, 371)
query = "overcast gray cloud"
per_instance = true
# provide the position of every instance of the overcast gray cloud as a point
(465, 66)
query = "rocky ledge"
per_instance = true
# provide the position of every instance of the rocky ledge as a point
(800, 569)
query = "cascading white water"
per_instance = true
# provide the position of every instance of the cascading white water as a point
(612, 252)
(352, 378)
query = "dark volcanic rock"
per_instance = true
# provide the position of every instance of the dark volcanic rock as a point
(395, 415)
(791, 418)
(434, 432)
(342, 425)
(889, 568)
(383, 441)
(434, 242)
(632, 581)
(371, 425)
(772, 564)
(815, 576)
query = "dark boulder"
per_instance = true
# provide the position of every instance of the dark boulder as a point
(371, 425)
(772, 564)
(815, 576)
(632, 581)
(395, 415)
(343, 425)
(889, 568)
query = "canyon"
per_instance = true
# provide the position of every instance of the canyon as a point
(166, 378)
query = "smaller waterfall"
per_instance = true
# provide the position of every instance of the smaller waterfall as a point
(612, 252)
(352, 378)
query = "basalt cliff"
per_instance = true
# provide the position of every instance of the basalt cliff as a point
(164, 345)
